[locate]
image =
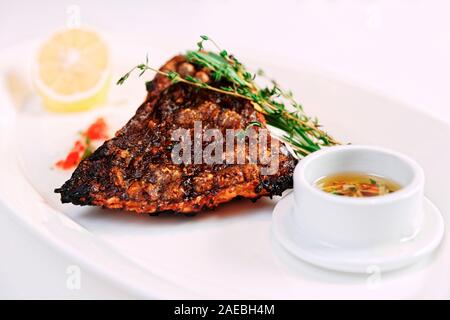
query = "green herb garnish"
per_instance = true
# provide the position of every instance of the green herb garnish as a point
(281, 110)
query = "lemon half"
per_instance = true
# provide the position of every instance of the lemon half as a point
(72, 71)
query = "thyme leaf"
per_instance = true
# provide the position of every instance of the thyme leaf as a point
(280, 109)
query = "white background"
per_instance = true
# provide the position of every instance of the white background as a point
(400, 48)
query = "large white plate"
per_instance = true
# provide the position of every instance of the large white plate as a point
(227, 253)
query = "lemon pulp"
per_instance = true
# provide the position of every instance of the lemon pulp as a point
(72, 71)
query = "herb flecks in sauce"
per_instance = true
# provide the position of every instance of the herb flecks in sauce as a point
(355, 184)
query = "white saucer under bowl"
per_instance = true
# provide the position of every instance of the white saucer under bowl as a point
(358, 260)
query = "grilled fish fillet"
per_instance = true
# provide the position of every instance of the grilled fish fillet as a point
(134, 170)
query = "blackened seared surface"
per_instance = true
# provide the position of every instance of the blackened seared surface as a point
(134, 170)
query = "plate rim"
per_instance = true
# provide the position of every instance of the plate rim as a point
(65, 248)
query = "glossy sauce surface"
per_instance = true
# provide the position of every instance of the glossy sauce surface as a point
(357, 184)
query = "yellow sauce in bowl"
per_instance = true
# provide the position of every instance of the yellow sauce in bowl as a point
(357, 184)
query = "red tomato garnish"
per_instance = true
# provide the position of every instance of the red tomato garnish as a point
(79, 147)
(96, 131)
(60, 163)
(73, 158)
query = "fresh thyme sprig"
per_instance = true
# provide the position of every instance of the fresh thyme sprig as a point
(302, 133)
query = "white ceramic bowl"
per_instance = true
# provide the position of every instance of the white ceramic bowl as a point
(340, 221)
